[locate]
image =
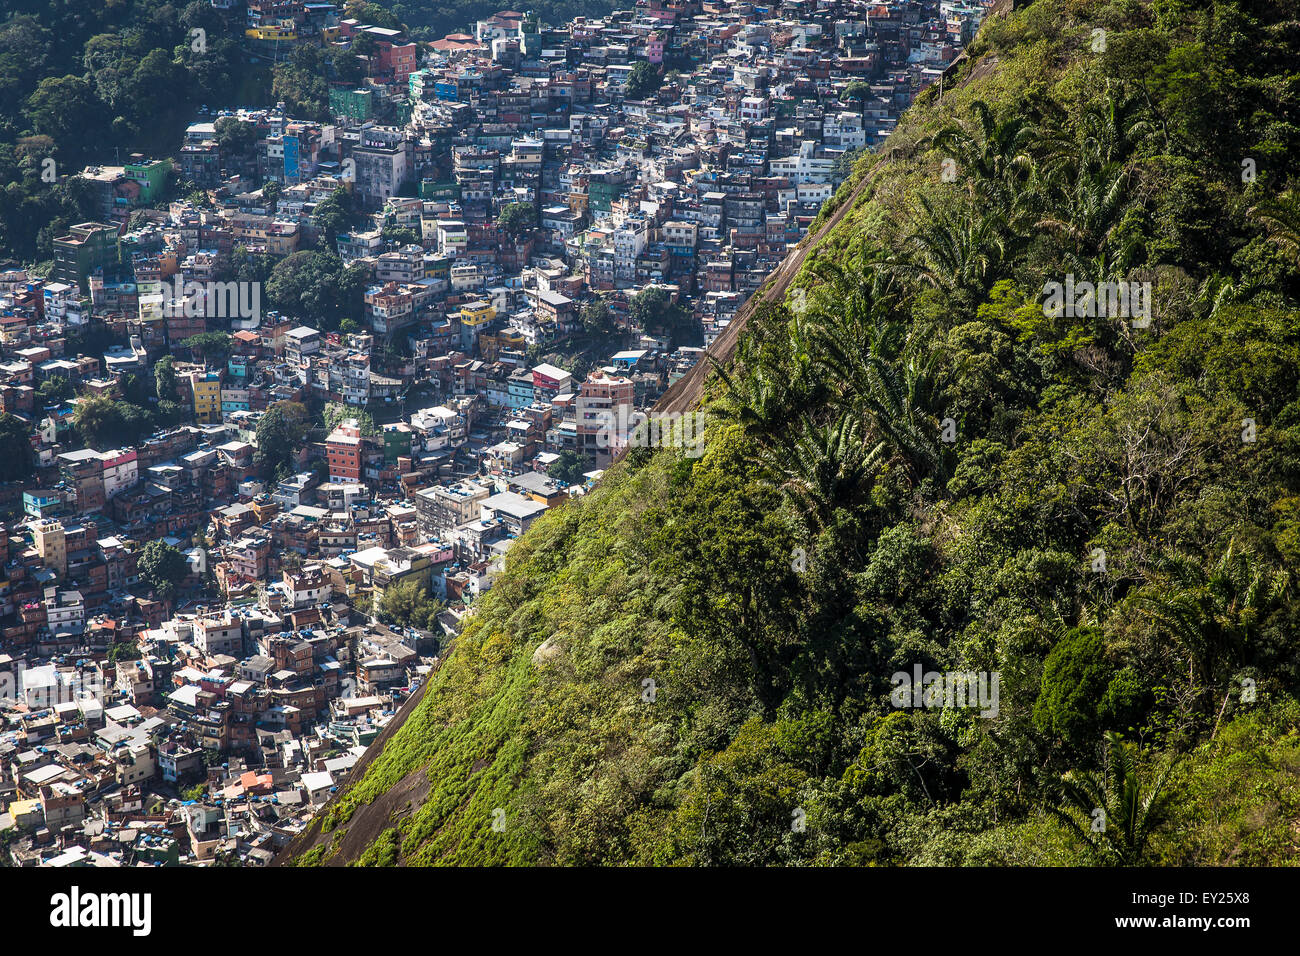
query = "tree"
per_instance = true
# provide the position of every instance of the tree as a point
(53, 390)
(169, 414)
(164, 377)
(596, 316)
(235, 137)
(336, 412)
(829, 468)
(162, 567)
(517, 218)
(642, 80)
(124, 651)
(99, 421)
(654, 310)
(280, 433)
(313, 285)
(300, 82)
(408, 604)
(570, 467)
(195, 793)
(66, 109)
(331, 218)
(1076, 676)
(16, 459)
(1216, 614)
(1109, 811)
(213, 346)
(400, 235)
(858, 92)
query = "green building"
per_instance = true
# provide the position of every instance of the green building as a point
(421, 85)
(87, 246)
(151, 174)
(354, 104)
(601, 194)
(448, 192)
(397, 442)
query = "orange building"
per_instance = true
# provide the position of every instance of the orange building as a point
(343, 451)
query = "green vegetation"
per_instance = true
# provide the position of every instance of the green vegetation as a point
(123, 651)
(335, 413)
(316, 288)
(597, 317)
(332, 217)
(654, 310)
(80, 80)
(53, 390)
(196, 792)
(642, 81)
(913, 463)
(162, 567)
(211, 348)
(16, 457)
(164, 378)
(570, 467)
(408, 604)
(518, 218)
(302, 81)
(280, 434)
(106, 423)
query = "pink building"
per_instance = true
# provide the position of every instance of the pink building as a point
(654, 48)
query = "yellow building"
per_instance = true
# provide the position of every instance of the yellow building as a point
(271, 32)
(51, 544)
(205, 392)
(477, 314)
(26, 813)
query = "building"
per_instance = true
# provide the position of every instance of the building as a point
(50, 543)
(205, 394)
(88, 246)
(343, 451)
(604, 407)
(441, 509)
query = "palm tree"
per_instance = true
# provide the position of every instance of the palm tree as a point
(995, 154)
(1086, 176)
(1118, 820)
(960, 253)
(756, 396)
(858, 347)
(898, 400)
(856, 290)
(1280, 218)
(1219, 291)
(1216, 613)
(826, 468)
(855, 309)
(767, 382)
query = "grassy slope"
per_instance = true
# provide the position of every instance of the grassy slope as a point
(584, 768)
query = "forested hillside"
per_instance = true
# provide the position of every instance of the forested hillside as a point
(911, 462)
(93, 82)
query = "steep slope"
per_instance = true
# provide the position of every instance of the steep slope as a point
(915, 464)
